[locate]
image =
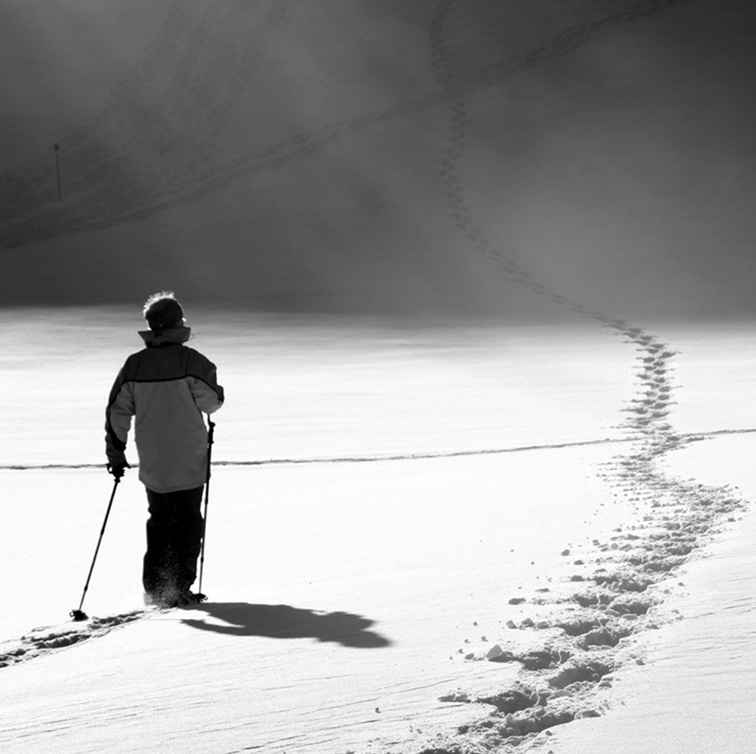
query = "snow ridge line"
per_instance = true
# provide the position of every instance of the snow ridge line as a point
(563, 676)
(419, 456)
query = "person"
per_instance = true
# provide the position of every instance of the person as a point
(166, 386)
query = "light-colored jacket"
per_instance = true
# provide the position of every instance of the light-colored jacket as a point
(166, 386)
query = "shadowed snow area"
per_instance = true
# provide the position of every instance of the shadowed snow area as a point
(285, 622)
(379, 156)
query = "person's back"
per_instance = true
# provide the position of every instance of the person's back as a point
(166, 386)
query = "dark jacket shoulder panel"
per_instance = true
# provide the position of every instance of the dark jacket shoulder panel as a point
(156, 364)
(172, 362)
(198, 365)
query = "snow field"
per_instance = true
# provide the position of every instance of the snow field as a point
(386, 569)
(694, 691)
(451, 603)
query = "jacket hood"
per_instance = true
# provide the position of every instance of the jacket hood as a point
(172, 336)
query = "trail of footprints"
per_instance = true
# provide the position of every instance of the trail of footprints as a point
(615, 591)
(617, 588)
(43, 640)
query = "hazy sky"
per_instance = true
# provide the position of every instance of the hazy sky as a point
(291, 155)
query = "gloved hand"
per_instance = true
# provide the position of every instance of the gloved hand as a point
(117, 469)
(117, 464)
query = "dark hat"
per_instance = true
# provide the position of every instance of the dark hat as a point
(163, 312)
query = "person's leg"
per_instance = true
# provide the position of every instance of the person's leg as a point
(158, 574)
(187, 536)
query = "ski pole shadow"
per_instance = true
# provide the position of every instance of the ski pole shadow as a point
(287, 622)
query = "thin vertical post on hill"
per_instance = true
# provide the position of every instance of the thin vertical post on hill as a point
(56, 149)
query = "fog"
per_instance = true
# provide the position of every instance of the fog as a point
(353, 155)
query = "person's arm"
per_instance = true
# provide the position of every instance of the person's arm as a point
(207, 393)
(117, 424)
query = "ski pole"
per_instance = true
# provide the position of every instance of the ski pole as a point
(211, 424)
(79, 614)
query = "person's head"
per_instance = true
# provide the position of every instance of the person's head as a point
(163, 312)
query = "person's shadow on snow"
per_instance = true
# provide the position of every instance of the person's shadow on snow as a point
(286, 622)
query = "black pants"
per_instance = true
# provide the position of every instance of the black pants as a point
(174, 537)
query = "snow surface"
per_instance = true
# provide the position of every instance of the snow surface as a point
(695, 690)
(371, 606)
(391, 570)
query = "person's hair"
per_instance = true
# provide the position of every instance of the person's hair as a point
(162, 311)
